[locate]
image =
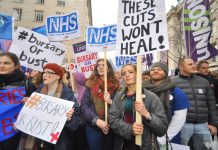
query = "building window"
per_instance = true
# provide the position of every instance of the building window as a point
(58, 13)
(38, 15)
(18, 1)
(17, 13)
(40, 1)
(61, 3)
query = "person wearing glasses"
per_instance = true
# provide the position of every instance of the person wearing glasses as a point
(122, 115)
(53, 86)
(11, 79)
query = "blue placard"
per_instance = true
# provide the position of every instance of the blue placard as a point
(10, 104)
(103, 35)
(122, 60)
(40, 29)
(62, 24)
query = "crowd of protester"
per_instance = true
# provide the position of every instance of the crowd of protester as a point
(180, 109)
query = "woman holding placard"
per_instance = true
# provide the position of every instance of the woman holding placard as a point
(53, 86)
(122, 115)
(98, 131)
(13, 88)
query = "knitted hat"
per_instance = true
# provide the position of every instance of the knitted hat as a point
(161, 65)
(80, 78)
(56, 68)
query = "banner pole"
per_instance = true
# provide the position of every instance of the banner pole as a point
(105, 83)
(70, 69)
(138, 138)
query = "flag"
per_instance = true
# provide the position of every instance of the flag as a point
(5, 45)
(6, 27)
(40, 29)
(197, 30)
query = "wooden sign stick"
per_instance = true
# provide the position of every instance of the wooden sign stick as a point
(69, 54)
(105, 84)
(138, 138)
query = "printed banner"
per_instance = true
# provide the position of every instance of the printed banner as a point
(34, 50)
(6, 27)
(101, 39)
(122, 60)
(142, 27)
(85, 61)
(43, 117)
(197, 30)
(10, 104)
(63, 27)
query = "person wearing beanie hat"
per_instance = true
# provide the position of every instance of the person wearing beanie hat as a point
(56, 68)
(52, 86)
(160, 65)
(174, 100)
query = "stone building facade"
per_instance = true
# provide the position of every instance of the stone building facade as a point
(33, 13)
(176, 38)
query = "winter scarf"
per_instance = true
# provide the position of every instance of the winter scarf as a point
(58, 91)
(12, 78)
(97, 92)
(162, 91)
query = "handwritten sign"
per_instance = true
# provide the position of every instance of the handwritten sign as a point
(63, 27)
(85, 61)
(34, 50)
(101, 39)
(142, 27)
(43, 117)
(10, 104)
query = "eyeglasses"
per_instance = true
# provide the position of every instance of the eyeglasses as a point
(49, 73)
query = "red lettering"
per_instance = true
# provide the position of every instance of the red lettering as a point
(7, 126)
(10, 99)
(2, 96)
(87, 68)
(14, 97)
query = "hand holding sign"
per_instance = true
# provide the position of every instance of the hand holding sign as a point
(70, 114)
(44, 116)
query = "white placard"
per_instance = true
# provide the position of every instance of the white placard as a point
(43, 117)
(142, 27)
(34, 50)
(179, 147)
(85, 61)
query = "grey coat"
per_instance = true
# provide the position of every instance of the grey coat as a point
(157, 126)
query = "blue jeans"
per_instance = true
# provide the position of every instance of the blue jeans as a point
(99, 141)
(200, 130)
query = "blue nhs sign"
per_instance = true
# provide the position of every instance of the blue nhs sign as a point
(62, 24)
(122, 60)
(102, 35)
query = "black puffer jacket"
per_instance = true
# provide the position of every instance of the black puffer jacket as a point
(201, 97)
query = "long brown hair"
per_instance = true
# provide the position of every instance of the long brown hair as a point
(110, 75)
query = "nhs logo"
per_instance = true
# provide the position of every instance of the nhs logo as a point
(63, 27)
(103, 38)
(122, 60)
